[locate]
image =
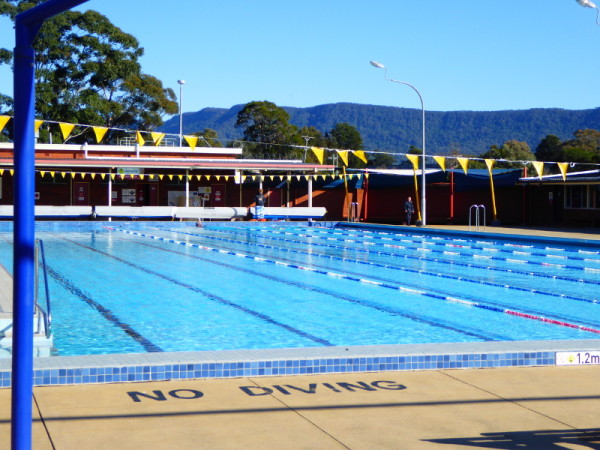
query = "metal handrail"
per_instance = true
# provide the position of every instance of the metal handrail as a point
(45, 314)
(353, 212)
(477, 208)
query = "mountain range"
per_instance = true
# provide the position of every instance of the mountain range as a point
(396, 129)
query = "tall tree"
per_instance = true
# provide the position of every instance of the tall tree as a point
(210, 138)
(268, 131)
(549, 149)
(346, 137)
(88, 71)
(512, 150)
(584, 148)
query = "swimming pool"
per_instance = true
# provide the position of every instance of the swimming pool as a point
(171, 287)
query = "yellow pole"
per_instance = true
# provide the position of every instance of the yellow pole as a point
(414, 159)
(417, 195)
(490, 165)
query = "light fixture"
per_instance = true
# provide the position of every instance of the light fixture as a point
(423, 208)
(589, 4)
(586, 3)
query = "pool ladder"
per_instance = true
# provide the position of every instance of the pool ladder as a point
(353, 212)
(43, 313)
(476, 209)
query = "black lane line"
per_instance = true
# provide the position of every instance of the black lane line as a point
(418, 258)
(212, 297)
(105, 312)
(444, 293)
(361, 302)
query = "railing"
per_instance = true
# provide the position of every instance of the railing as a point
(44, 314)
(353, 212)
(478, 209)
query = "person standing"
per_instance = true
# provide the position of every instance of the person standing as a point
(409, 210)
(259, 208)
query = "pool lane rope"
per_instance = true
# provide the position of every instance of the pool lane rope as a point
(456, 249)
(438, 260)
(416, 271)
(367, 281)
(402, 269)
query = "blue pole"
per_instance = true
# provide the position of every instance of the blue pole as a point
(27, 25)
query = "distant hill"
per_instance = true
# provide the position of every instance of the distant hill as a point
(396, 129)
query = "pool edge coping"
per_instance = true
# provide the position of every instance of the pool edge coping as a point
(137, 367)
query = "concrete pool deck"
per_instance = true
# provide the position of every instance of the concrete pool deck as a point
(509, 408)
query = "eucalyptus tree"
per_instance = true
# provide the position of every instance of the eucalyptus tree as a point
(88, 71)
(267, 132)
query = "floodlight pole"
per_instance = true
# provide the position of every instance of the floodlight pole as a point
(181, 83)
(423, 179)
(27, 24)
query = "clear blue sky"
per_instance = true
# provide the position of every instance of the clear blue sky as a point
(461, 54)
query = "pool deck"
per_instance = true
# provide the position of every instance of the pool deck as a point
(501, 407)
(508, 408)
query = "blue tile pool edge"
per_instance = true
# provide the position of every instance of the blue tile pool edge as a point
(138, 367)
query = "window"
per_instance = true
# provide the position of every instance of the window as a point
(582, 197)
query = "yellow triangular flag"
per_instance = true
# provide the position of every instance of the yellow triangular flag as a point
(244, 178)
(93, 175)
(298, 177)
(42, 173)
(180, 177)
(151, 176)
(122, 175)
(64, 174)
(464, 163)
(100, 132)
(157, 137)
(563, 169)
(192, 141)
(441, 160)
(539, 167)
(37, 125)
(319, 153)
(170, 177)
(65, 129)
(73, 174)
(414, 159)
(52, 173)
(217, 177)
(112, 176)
(343, 156)
(141, 176)
(102, 175)
(12, 172)
(198, 177)
(360, 155)
(490, 165)
(3, 121)
(83, 174)
(1, 172)
(189, 177)
(160, 176)
(139, 138)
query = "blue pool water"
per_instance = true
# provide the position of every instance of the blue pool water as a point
(151, 287)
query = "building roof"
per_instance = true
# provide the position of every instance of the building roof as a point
(184, 158)
(585, 177)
